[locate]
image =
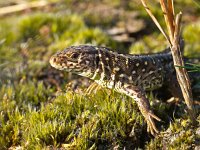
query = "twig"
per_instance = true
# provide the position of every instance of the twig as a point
(24, 6)
(173, 38)
(169, 17)
(182, 74)
(155, 21)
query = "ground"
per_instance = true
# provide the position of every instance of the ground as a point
(42, 108)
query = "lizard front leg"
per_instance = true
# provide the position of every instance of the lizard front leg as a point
(143, 103)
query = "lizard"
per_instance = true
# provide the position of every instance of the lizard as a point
(131, 75)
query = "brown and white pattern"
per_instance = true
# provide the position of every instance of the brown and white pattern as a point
(125, 73)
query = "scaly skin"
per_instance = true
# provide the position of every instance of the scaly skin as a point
(128, 74)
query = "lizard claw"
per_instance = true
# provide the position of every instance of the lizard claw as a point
(92, 88)
(151, 127)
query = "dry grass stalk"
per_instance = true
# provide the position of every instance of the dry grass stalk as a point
(169, 17)
(23, 6)
(182, 74)
(155, 20)
(173, 38)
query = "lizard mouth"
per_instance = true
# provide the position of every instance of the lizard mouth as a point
(53, 62)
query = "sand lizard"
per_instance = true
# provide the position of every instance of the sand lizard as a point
(125, 73)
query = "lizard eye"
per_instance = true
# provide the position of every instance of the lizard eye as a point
(74, 55)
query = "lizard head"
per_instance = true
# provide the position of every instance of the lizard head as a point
(76, 59)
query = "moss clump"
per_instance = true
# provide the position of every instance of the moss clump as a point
(8, 33)
(46, 28)
(71, 120)
(58, 29)
(191, 35)
(17, 101)
(149, 44)
(83, 36)
(180, 135)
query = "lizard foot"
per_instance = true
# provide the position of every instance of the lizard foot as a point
(151, 127)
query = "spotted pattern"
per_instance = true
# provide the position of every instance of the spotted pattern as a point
(97, 63)
(128, 74)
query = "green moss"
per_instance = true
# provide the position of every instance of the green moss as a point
(180, 135)
(58, 31)
(8, 33)
(80, 123)
(82, 36)
(7, 55)
(30, 120)
(149, 44)
(16, 102)
(191, 35)
(46, 28)
(10, 129)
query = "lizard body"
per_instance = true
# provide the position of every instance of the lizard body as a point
(125, 73)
